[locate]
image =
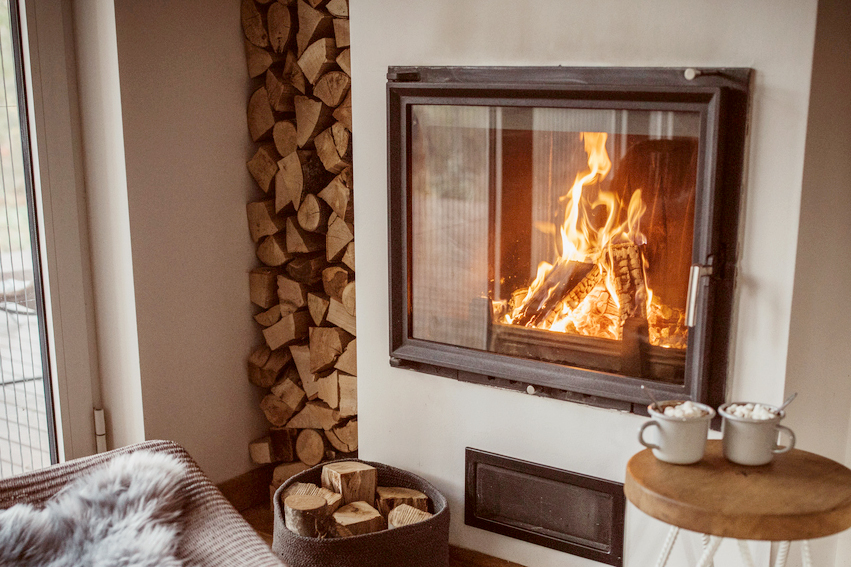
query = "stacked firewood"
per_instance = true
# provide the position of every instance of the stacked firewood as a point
(349, 502)
(299, 116)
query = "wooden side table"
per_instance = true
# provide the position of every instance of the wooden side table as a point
(797, 496)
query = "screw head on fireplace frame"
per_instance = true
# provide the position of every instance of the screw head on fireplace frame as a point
(719, 96)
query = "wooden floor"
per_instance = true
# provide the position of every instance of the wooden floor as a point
(261, 519)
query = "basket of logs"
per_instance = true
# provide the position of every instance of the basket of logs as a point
(353, 513)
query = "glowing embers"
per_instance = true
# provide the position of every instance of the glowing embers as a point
(598, 284)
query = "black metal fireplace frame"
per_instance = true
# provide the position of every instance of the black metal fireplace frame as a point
(720, 95)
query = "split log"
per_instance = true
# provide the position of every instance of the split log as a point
(257, 59)
(337, 315)
(263, 287)
(343, 112)
(264, 165)
(289, 393)
(338, 194)
(329, 390)
(348, 361)
(326, 345)
(285, 136)
(305, 514)
(344, 60)
(556, 285)
(583, 288)
(301, 358)
(349, 299)
(252, 24)
(338, 8)
(357, 518)
(326, 148)
(283, 443)
(354, 480)
(315, 415)
(313, 214)
(334, 281)
(281, 92)
(272, 250)
(345, 437)
(311, 117)
(266, 374)
(260, 451)
(405, 515)
(300, 173)
(279, 21)
(275, 410)
(289, 329)
(317, 3)
(291, 294)
(349, 256)
(312, 25)
(389, 497)
(317, 304)
(259, 356)
(333, 499)
(341, 33)
(269, 317)
(293, 73)
(319, 58)
(348, 388)
(626, 261)
(261, 120)
(284, 472)
(310, 446)
(340, 234)
(307, 269)
(301, 241)
(262, 220)
(331, 88)
(342, 141)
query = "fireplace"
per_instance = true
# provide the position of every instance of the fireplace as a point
(570, 232)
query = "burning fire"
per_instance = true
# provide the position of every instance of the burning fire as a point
(597, 281)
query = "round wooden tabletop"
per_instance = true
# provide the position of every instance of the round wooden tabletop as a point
(799, 495)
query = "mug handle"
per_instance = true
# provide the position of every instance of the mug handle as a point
(641, 440)
(777, 449)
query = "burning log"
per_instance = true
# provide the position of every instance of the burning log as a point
(583, 288)
(629, 280)
(557, 283)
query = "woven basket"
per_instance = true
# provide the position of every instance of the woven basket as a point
(424, 544)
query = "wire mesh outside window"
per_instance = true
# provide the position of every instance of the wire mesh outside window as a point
(26, 415)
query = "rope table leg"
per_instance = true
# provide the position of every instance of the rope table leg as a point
(709, 552)
(705, 539)
(745, 551)
(782, 554)
(805, 553)
(668, 546)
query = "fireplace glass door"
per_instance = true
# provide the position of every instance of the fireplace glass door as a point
(558, 234)
(566, 237)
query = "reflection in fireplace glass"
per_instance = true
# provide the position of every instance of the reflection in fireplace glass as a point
(556, 234)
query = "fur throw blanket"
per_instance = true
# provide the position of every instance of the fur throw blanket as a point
(127, 513)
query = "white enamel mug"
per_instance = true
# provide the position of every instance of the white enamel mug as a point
(679, 440)
(753, 442)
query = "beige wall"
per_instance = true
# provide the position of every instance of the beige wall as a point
(423, 423)
(184, 90)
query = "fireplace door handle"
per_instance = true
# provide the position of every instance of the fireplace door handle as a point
(696, 273)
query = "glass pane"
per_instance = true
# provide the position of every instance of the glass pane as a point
(555, 234)
(25, 417)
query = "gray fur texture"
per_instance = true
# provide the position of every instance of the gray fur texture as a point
(124, 514)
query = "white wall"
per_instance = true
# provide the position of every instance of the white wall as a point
(184, 92)
(423, 423)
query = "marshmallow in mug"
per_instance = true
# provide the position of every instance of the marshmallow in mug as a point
(686, 409)
(757, 412)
